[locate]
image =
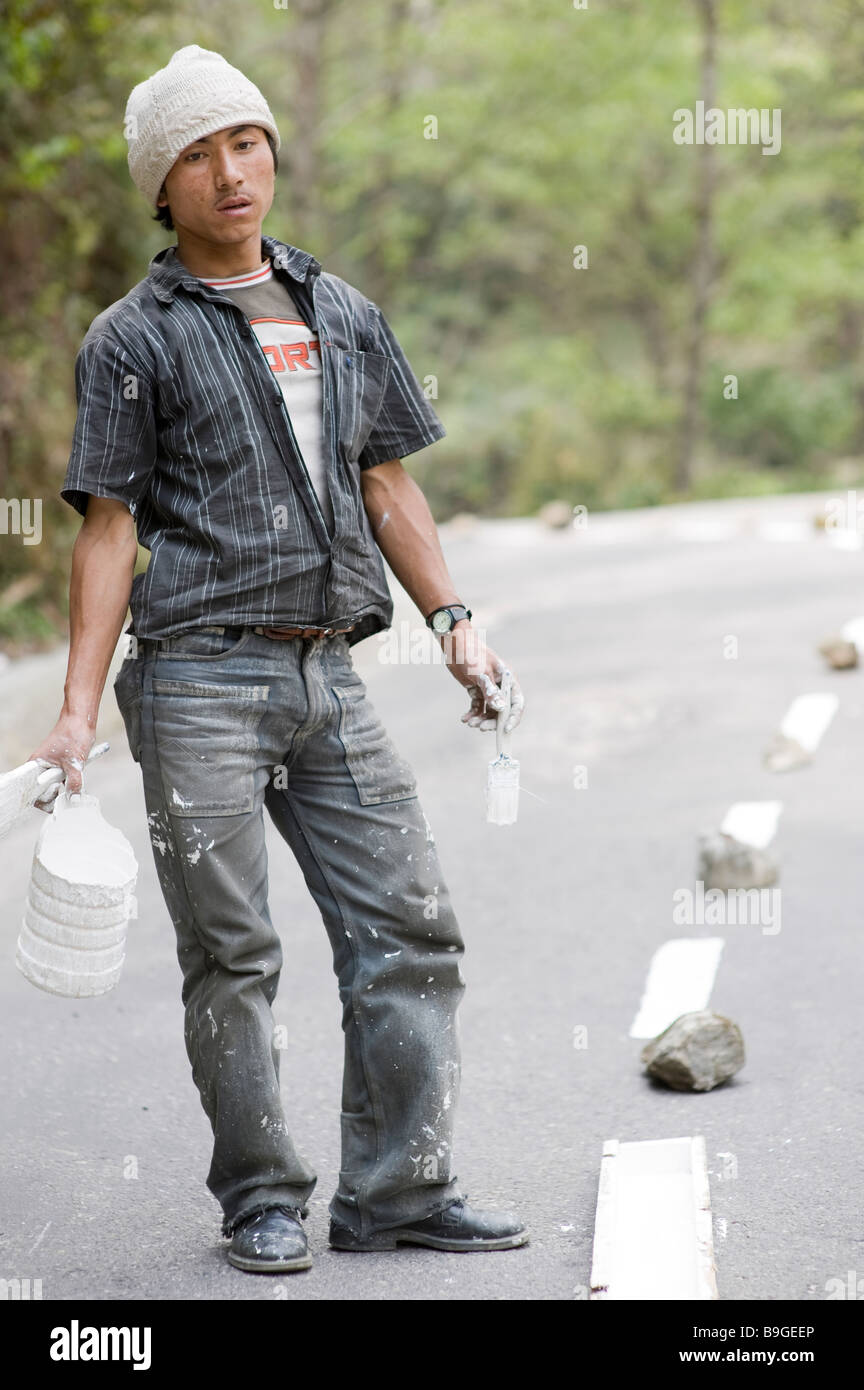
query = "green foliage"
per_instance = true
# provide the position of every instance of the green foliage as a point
(68, 218)
(780, 419)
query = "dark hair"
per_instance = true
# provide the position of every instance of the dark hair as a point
(163, 215)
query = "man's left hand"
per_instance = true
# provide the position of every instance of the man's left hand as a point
(480, 670)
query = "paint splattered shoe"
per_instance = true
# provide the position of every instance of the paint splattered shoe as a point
(458, 1228)
(271, 1241)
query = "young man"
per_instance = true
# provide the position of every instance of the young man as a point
(248, 411)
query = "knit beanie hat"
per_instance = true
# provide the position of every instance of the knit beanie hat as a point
(196, 94)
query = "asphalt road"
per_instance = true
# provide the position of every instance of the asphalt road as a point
(616, 635)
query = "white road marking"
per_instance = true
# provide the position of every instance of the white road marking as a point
(844, 537)
(610, 532)
(702, 529)
(784, 531)
(652, 1233)
(808, 717)
(752, 822)
(697, 530)
(688, 524)
(853, 631)
(680, 980)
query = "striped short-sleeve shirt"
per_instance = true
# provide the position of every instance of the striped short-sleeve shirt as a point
(179, 417)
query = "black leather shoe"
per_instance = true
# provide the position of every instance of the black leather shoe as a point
(458, 1227)
(271, 1241)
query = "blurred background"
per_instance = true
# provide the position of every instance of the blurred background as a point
(601, 385)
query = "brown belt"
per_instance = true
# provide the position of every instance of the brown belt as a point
(284, 632)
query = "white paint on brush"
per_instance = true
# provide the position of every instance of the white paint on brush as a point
(752, 822)
(808, 717)
(652, 1233)
(680, 981)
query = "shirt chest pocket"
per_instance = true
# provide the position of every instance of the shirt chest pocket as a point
(360, 383)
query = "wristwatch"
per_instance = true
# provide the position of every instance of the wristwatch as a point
(445, 619)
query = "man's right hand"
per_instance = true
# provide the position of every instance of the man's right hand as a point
(68, 746)
(103, 562)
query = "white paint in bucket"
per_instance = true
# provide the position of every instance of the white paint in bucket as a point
(80, 900)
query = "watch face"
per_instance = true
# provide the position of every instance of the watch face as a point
(442, 621)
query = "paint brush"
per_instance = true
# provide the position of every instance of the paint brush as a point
(502, 778)
(30, 782)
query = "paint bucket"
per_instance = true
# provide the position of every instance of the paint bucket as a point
(80, 900)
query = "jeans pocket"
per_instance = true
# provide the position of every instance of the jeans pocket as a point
(377, 770)
(206, 736)
(204, 644)
(127, 692)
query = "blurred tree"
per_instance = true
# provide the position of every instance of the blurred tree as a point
(67, 240)
(702, 271)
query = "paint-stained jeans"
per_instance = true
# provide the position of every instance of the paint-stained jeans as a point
(223, 723)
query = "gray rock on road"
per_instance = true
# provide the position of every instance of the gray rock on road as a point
(785, 754)
(840, 654)
(556, 514)
(695, 1053)
(725, 862)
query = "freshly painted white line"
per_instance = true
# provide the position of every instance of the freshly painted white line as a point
(785, 531)
(652, 1233)
(680, 980)
(853, 631)
(752, 822)
(707, 529)
(808, 717)
(844, 538)
(599, 531)
(515, 532)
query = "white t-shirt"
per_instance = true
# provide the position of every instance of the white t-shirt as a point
(291, 347)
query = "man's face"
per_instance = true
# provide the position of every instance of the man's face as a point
(220, 188)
